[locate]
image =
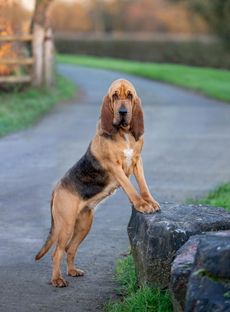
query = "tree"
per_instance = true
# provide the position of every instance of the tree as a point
(42, 45)
(215, 12)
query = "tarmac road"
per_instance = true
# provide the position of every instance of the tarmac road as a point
(186, 153)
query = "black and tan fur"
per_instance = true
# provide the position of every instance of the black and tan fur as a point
(112, 156)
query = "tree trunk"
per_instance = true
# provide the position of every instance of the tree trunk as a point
(42, 45)
(38, 41)
(49, 59)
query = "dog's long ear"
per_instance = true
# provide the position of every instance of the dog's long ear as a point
(137, 122)
(106, 116)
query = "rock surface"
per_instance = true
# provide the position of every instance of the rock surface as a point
(209, 282)
(183, 265)
(181, 270)
(155, 238)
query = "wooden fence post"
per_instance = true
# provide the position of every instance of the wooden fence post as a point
(38, 54)
(16, 76)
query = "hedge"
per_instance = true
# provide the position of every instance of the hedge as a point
(196, 53)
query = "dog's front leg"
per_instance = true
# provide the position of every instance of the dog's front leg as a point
(139, 203)
(138, 172)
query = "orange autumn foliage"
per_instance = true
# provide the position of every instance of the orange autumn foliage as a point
(6, 49)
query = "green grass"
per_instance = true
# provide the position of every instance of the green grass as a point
(220, 197)
(134, 299)
(211, 82)
(19, 110)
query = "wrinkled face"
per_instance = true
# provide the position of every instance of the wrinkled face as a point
(121, 95)
(121, 108)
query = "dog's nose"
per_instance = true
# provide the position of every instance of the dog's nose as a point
(122, 111)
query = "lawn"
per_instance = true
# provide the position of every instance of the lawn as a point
(220, 197)
(19, 110)
(134, 299)
(211, 82)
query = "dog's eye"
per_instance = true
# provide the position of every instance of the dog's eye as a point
(115, 97)
(129, 96)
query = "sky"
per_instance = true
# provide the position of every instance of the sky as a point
(29, 4)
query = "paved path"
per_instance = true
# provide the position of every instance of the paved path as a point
(187, 152)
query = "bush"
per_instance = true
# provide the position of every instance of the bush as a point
(209, 53)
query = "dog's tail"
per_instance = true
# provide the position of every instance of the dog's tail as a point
(51, 237)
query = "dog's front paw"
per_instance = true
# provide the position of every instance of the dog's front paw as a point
(152, 202)
(147, 206)
(143, 206)
(155, 205)
(75, 272)
(59, 282)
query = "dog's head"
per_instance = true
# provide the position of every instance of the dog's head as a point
(121, 108)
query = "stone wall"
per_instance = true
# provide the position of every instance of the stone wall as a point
(156, 238)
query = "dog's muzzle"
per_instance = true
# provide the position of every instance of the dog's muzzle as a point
(123, 116)
(123, 111)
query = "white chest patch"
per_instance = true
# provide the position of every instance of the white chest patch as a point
(128, 152)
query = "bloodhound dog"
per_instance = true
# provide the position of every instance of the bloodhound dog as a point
(112, 156)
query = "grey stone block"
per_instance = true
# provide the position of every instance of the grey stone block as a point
(183, 265)
(181, 270)
(155, 238)
(209, 282)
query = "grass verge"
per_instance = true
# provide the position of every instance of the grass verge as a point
(19, 110)
(208, 81)
(220, 197)
(134, 299)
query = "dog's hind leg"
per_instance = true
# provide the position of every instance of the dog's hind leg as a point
(82, 228)
(57, 279)
(65, 210)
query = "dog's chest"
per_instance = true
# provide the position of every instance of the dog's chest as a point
(127, 152)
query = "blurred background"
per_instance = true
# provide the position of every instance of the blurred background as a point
(194, 32)
(42, 42)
